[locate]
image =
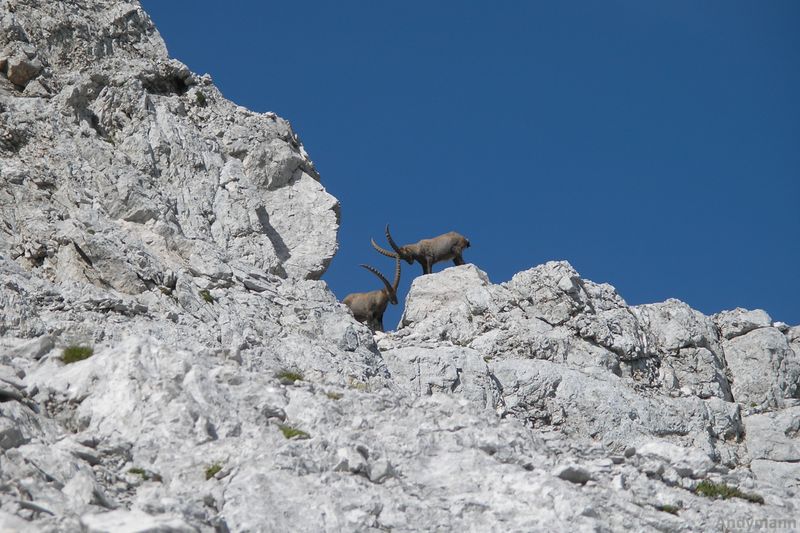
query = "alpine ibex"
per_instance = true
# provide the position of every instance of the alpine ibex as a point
(428, 251)
(368, 307)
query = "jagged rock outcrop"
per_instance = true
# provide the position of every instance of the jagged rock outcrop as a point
(565, 352)
(173, 241)
(562, 352)
(122, 167)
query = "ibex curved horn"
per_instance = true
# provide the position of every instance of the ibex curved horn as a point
(389, 288)
(391, 241)
(396, 275)
(380, 250)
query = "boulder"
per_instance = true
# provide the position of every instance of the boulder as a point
(764, 368)
(740, 321)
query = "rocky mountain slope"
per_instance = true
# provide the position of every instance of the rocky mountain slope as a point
(179, 239)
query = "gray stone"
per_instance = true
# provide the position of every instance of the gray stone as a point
(698, 372)
(350, 460)
(774, 436)
(380, 471)
(21, 69)
(9, 522)
(10, 435)
(37, 88)
(740, 321)
(544, 394)
(123, 521)
(764, 368)
(573, 474)
(777, 473)
(443, 370)
(686, 462)
(32, 349)
(553, 292)
(675, 326)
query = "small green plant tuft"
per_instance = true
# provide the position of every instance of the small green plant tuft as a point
(75, 353)
(354, 384)
(671, 509)
(144, 474)
(289, 376)
(710, 489)
(201, 99)
(334, 395)
(205, 295)
(213, 470)
(293, 433)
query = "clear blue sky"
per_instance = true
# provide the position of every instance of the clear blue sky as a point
(653, 145)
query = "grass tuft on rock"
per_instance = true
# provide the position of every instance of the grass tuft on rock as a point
(293, 433)
(205, 295)
(289, 376)
(213, 470)
(334, 395)
(354, 384)
(709, 489)
(144, 474)
(73, 354)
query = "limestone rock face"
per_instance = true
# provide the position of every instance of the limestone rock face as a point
(740, 321)
(169, 360)
(774, 447)
(691, 354)
(568, 354)
(765, 368)
(125, 167)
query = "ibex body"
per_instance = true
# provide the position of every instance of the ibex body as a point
(428, 252)
(368, 307)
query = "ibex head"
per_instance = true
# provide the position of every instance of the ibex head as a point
(403, 252)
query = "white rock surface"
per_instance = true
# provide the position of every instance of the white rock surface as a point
(180, 237)
(740, 321)
(765, 368)
(687, 462)
(121, 521)
(774, 436)
(146, 171)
